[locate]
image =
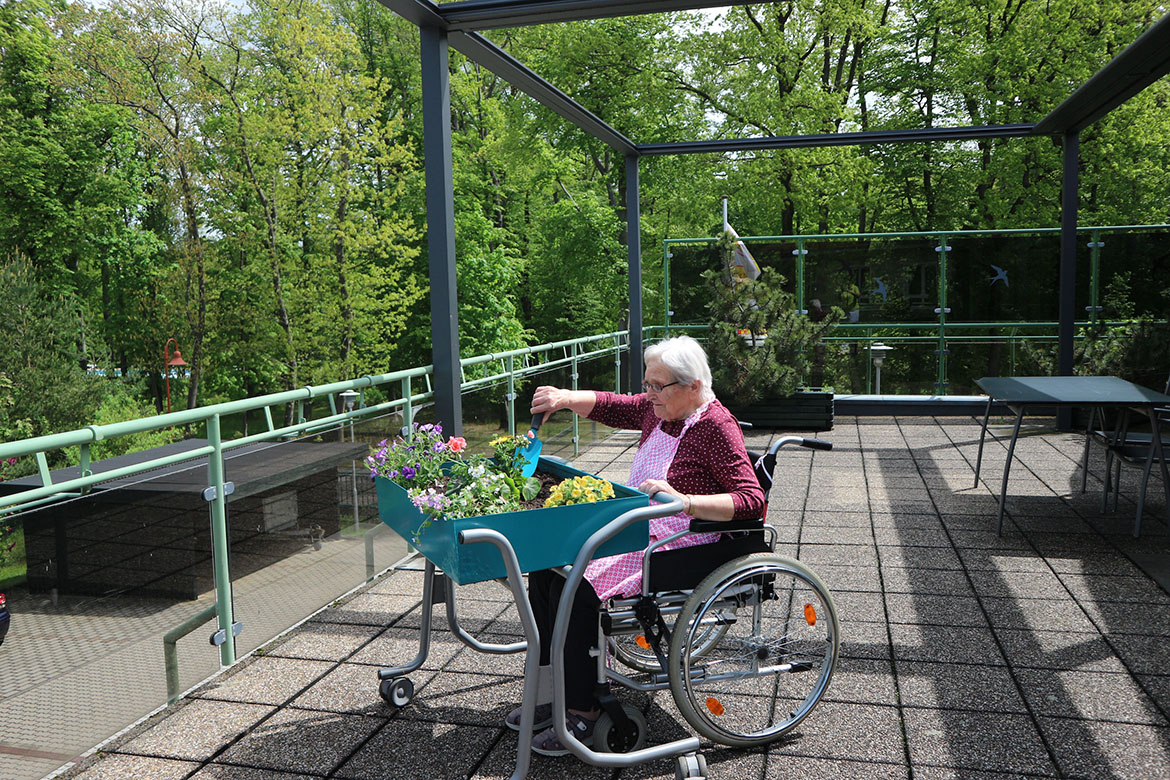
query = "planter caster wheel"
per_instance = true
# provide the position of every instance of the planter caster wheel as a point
(397, 692)
(691, 767)
(609, 737)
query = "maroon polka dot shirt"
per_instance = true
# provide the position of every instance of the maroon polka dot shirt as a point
(711, 458)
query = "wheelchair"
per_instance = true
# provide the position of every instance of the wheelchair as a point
(746, 644)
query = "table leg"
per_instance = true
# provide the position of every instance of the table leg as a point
(982, 436)
(1007, 467)
(1093, 412)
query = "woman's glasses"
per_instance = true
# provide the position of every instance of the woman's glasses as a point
(651, 387)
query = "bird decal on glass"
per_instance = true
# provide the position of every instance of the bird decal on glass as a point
(1000, 274)
(882, 289)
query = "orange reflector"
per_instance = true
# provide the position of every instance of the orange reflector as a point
(714, 705)
(810, 614)
(641, 642)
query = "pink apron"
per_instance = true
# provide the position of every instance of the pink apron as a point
(621, 575)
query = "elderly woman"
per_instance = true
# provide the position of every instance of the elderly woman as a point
(691, 447)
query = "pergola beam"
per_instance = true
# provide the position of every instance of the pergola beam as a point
(493, 14)
(479, 49)
(1140, 64)
(839, 139)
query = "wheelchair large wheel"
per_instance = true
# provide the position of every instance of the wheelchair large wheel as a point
(771, 664)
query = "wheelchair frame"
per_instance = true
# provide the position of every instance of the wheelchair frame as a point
(622, 727)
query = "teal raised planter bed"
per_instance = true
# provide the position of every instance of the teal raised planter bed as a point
(542, 538)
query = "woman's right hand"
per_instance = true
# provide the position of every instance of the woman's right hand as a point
(549, 399)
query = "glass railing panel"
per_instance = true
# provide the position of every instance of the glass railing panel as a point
(688, 295)
(873, 280)
(992, 352)
(303, 528)
(999, 278)
(910, 367)
(1128, 261)
(98, 582)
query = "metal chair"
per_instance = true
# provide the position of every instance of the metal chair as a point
(1138, 450)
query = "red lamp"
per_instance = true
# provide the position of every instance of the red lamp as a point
(169, 363)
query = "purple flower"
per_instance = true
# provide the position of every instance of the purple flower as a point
(394, 474)
(427, 428)
(439, 446)
(408, 472)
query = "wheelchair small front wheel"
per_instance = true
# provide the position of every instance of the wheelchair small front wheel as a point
(610, 737)
(773, 663)
(692, 766)
(397, 692)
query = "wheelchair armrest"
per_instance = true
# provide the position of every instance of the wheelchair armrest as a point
(717, 526)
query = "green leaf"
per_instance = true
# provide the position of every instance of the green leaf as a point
(530, 489)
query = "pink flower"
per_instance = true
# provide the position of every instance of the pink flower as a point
(457, 444)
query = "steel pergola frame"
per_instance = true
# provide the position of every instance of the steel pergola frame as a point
(455, 25)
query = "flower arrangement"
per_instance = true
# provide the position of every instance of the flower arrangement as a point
(580, 490)
(445, 482)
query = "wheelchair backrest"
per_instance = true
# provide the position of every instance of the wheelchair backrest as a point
(764, 464)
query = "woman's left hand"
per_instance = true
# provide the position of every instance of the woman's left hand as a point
(651, 486)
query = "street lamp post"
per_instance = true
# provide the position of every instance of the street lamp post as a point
(169, 363)
(349, 398)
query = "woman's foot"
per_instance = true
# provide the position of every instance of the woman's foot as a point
(547, 744)
(542, 720)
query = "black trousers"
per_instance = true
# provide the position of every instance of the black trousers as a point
(669, 570)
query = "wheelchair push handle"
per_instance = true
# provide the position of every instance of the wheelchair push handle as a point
(801, 441)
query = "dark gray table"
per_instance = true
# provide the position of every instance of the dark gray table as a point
(1023, 392)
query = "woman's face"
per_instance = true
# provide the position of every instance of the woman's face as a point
(674, 402)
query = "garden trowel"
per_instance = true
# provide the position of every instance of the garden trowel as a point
(531, 452)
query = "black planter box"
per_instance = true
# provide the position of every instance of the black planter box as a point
(804, 411)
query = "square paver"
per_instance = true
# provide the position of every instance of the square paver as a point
(856, 606)
(265, 680)
(371, 609)
(352, 689)
(400, 645)
(1118, 751)
(1102, 588)
(229, 772)
(302, 741)
(946, 644)
(864, 640)
(323, 641)
(420, 750)
(1071, 650)
(1019, 585)
(862, 681)
(958, 687)
(841, 730)
(939, 582)
(790, 767)
(1037, 614)
(976, 740)
(472, 699)
(1090, 695)
(198, 730)
(926, 609)
(123, 767)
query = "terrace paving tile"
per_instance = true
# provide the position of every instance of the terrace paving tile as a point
(934, 610)
(958, 687)
(942, 582)
(959, 648)
(947, 644)
(1070, 650)
(198, 730)
(1108, 696)
(323, 641)
(265, 681)
(967, 740)
(125, 767)
(351, 689)
(296, 740)
(1118, 751)
(1037, 614)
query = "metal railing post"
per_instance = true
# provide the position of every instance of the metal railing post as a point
(219, 543)
(511, 395)
(407, 408)
(171, 651)
(800, 253)
(942, 312)
(1094, 306)
(573, 375)
(666, 312)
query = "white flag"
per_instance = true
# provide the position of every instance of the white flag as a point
(743, 265)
